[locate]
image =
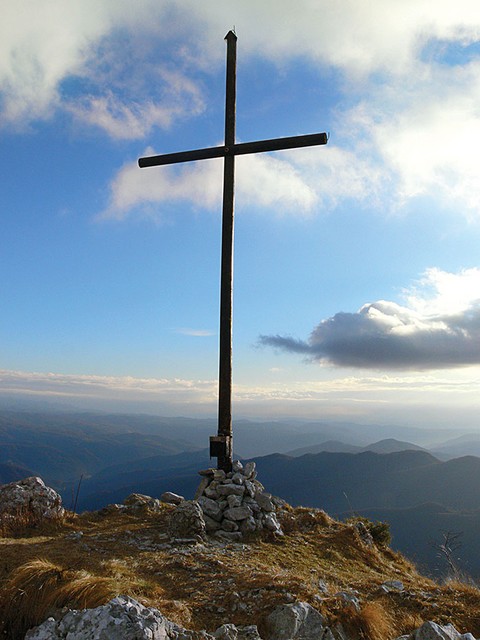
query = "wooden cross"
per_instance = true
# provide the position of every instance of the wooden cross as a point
(221, 446)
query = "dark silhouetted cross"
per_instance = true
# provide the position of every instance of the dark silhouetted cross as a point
(221, 445)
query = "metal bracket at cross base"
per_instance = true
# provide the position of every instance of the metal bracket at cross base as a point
(221, 448)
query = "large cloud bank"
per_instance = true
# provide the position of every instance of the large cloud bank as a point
(439, 327)
(407, 122)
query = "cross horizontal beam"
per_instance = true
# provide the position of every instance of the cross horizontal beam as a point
(275, 144)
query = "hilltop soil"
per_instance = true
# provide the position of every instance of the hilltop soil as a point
(83, 561)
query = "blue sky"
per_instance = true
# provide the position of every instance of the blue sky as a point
(357, 269)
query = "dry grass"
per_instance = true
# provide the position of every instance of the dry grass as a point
(23, 521)
(38, 588)
(372, 622)
(204, 586)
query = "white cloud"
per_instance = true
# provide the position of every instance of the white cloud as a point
(414, 126)
(439, 329)
(44, 43)
(91, 387)
(439, 293)
(41, 43)
(263, 181)
(199, 184)
(429, 136)
(357, 37)
(129, 119)
(419, 399)
(196, 333)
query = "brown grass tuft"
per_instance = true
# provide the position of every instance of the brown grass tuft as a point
(36, 589)
(24, 521)
(302, 519)
(372, 621)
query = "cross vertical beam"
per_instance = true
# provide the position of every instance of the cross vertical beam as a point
(225, 435)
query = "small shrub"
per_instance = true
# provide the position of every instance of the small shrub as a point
(380, 531)
(302, 519)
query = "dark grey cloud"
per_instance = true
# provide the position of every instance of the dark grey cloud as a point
(384, 335)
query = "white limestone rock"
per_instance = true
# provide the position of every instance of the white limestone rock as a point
(297, 621)
(138, 501)
(271, 523)
(249, 471)
(226, 632)
(250, 488)
(122, 618)
(231, 489)
(30, 495)
(171, 498)
(187, 520)
(349, 599)
(238, 478)
(264, 501)
(210, 508)
(231, 632)
(433, 631)
(392, 585)
(211, 490)
(237, 513)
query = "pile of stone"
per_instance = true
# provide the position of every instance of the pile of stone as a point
(236, 503)
(30, 497)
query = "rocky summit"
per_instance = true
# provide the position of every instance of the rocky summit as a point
(235, 563)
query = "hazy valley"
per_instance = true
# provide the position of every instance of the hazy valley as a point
(421, 488)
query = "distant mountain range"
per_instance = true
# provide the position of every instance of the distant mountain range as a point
(337, 482)
(330, 466)
(388, 445)
(62, 447)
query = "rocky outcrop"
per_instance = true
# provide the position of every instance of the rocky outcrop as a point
(433, 631)
(187, 521)
(30, 496)
(140, 502)
(296, 621)
(124, 618)
(231, 632)
(171, 498)
(236, 503)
